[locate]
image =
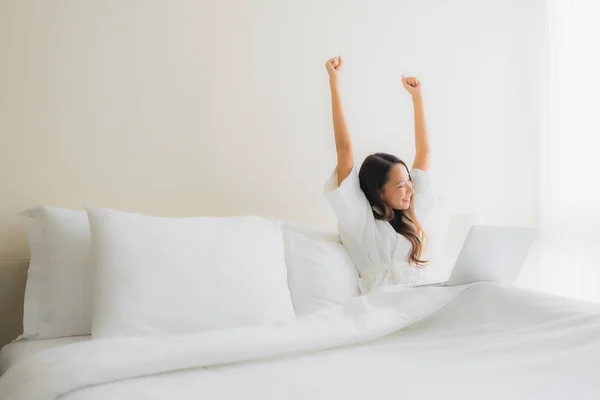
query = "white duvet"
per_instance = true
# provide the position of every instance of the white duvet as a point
(470, 342)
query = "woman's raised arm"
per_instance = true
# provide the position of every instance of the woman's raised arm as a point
(343, 143)
(413, 86)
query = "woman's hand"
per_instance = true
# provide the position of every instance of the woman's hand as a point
(412, 85)
(334, 66)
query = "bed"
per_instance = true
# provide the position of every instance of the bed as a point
(481, 340)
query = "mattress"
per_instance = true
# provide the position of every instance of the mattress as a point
(16, 351)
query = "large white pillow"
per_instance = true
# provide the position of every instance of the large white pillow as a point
(182, 275)
(320, 270)
(57, 294)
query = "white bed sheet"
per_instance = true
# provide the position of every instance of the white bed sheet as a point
(487, 341)
(490, 343)
(18, 350)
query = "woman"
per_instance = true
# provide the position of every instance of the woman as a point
(379, 207)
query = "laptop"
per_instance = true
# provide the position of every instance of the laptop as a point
(490, 254)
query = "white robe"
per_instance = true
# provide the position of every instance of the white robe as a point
(378, 251)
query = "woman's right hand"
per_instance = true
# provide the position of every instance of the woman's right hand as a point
(334, 66)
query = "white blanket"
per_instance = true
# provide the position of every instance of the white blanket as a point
(483, 340)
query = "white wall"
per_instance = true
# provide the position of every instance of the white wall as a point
(221, 107)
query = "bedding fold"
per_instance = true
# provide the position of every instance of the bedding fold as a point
(56, 372)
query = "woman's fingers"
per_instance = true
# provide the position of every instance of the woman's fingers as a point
(333, 65)
(335, 62)
(410, 80)
(411, 84)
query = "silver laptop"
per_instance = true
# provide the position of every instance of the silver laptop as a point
(490, 254)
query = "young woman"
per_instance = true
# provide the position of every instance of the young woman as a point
(379, 207)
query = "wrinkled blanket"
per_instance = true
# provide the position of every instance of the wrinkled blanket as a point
(541, 344)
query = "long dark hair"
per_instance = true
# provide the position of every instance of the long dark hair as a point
(373, 175)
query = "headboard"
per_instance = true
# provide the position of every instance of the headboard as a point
(13, 275)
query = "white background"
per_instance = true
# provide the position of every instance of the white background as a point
(222, 107)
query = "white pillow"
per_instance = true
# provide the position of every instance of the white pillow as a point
(182, 275)
(57, 294)
(320, 270)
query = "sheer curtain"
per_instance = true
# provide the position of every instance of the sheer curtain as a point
(570, 151)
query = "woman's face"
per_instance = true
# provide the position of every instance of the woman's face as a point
(398, 191)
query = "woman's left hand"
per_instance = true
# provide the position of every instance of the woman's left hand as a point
(412, 85)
